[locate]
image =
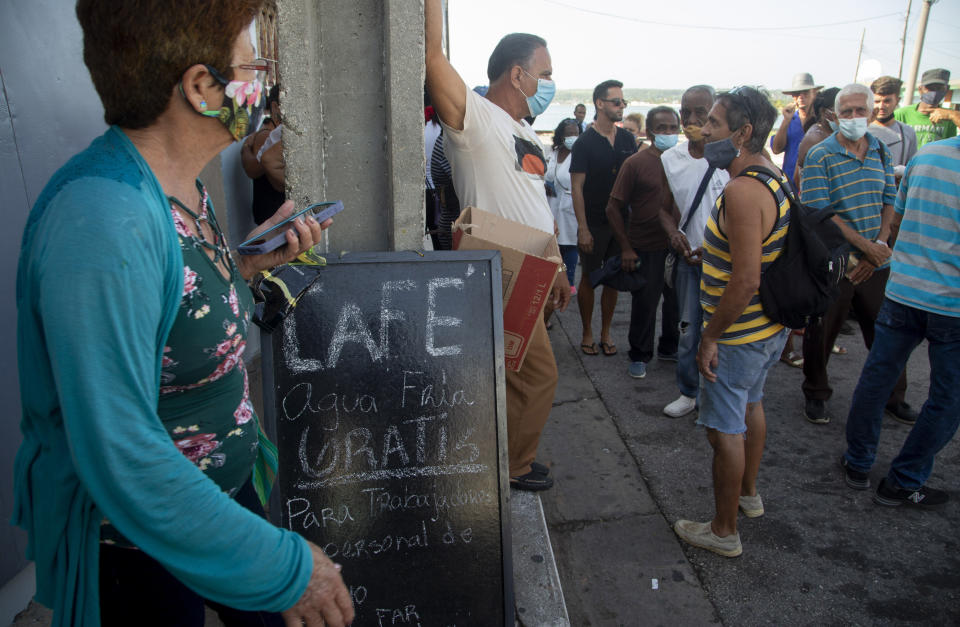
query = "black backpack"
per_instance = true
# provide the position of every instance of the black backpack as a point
(803, 281)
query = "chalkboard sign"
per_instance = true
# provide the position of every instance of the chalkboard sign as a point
(387, 394)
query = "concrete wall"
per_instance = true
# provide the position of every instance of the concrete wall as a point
(48, 112)
(352, 94)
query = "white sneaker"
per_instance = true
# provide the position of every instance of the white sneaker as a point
(751, 506)
(680, 407)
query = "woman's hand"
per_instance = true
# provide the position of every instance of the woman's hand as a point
(301, 238)
(325, 602)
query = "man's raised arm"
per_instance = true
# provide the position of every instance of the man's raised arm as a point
(447, 90)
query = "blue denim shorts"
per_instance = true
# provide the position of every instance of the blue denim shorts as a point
(741, 372)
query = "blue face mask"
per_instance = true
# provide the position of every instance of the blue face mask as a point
(833, 125)
(852, 128)
(720, 153)
(665, 142)
(539, 101)
(568, 142)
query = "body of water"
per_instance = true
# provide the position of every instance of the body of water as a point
(557, 111)
(549, 119)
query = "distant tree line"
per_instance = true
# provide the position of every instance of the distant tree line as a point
(652, 96)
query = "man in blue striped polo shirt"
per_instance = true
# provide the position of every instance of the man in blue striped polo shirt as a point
(922, 303)
(851, 172)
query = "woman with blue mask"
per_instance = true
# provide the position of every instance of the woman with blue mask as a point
(557, 183)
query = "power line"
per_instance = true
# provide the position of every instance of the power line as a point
(727, 28)
(949, 54)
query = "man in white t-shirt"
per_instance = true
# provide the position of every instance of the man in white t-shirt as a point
(498, 165)
(685, 169)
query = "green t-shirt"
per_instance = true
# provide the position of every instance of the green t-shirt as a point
(926, 130)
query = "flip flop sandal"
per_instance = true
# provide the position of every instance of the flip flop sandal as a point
(590, 349)
(609, 350)
(838, 350)
(794, 359)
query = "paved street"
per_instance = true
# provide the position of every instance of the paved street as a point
(822, 555)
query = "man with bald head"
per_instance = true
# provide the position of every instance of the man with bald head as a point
(685, 170)
(498, 165)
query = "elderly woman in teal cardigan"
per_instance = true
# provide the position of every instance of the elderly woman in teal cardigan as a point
(142, 459)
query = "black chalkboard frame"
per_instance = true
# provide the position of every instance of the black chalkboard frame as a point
(491, 259)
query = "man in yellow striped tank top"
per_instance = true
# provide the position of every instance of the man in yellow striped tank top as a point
(739, 344)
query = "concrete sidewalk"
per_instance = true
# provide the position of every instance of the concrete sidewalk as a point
(822, 553)
(619, 561)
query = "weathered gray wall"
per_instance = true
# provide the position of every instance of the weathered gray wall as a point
(48, 112)
(352, 96)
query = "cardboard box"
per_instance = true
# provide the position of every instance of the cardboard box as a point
(530, 260)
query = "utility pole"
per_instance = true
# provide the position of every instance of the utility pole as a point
(446, 28)
(856, 70)
(917, 52)
(903, 39)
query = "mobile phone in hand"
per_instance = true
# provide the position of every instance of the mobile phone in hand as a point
(275, 237)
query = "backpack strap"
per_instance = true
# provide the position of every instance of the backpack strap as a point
(787, 190)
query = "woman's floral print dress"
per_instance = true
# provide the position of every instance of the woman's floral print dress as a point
(205, 394)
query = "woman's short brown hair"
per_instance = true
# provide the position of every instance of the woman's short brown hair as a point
(138, 50)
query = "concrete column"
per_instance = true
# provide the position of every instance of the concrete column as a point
(351, 95)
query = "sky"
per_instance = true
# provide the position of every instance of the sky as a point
(678, 43)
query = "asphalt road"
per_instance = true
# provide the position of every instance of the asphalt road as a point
(823, 554)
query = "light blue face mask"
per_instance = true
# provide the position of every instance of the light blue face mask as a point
(665, 142)
(853, 128)
(539, 101)
(568, 142)
(833, 125)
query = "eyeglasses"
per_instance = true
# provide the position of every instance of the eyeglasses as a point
(257, 65)
(616, 101)
(260, 66)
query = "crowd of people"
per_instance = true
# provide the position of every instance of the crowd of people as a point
(699, 221)
(138, 517)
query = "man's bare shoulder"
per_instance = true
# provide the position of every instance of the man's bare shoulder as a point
(744, 194)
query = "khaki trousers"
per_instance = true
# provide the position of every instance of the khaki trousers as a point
(529, 400)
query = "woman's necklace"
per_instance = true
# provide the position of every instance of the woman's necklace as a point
(221, 254)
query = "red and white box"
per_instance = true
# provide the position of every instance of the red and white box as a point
(530, 260)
